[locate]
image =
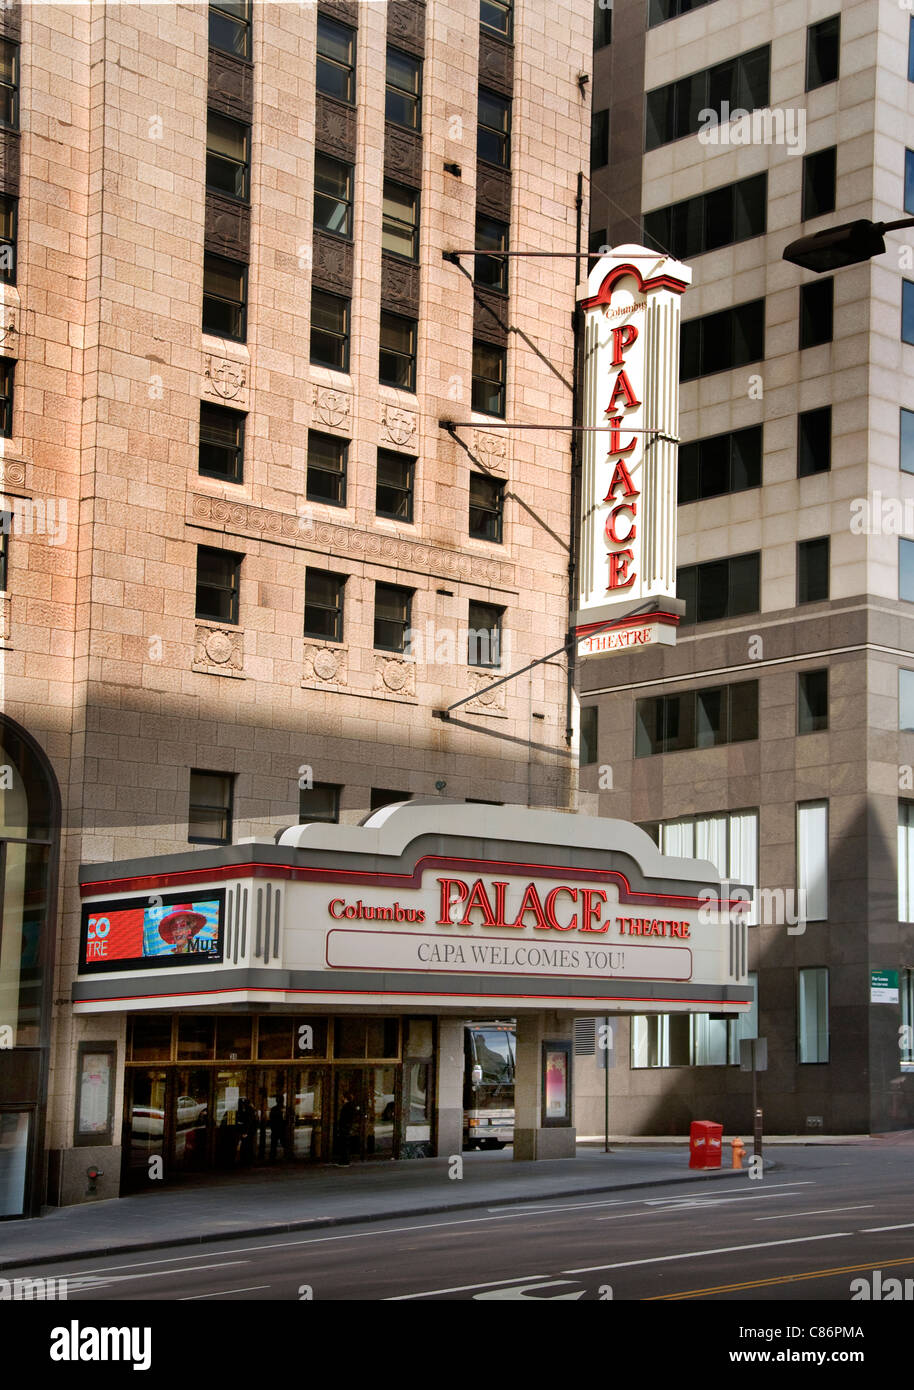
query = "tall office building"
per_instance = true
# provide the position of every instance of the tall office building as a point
(261, 521)
(777, 738)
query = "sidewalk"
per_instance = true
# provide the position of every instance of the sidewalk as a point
(280, 1200)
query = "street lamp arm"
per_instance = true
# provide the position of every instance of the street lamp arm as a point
(882, 227)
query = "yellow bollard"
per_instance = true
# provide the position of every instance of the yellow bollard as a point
(739, 1149)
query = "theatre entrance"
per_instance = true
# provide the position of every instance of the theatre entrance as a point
(225, 1116)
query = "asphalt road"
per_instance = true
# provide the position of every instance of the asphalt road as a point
(804, 1231)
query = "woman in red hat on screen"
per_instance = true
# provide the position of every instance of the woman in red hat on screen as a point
(180, 927)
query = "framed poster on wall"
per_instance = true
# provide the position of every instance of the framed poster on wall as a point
(556, 1083)
(96, 1068)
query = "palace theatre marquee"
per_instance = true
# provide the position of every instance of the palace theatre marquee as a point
(428, 914)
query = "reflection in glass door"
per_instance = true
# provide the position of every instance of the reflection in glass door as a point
(308, 1116)
(234, 1125)
(380, 1111)
(364, 1113)
(192, 1120)
(145, 1121)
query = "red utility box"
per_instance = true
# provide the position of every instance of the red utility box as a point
(705, 1140)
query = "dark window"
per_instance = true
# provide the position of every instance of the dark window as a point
(817, 301)
(327, 469)
(335, 59)
(230, 27)
(493, 135)
(907, 311)
(496, 15)
(814, 441)
(720, 464)
(324, 604)
(491, 271)
(218, 578)
(332, 195)
(661, 10)
(722, 217)
(819, 174)
(329, 330)
(906, 570)
(221, 443)
(394, 489)
(227, 155)
(224, 297)
(404, 89)
(599, 139)
(8, 210)
(812, 570)
(6, 521)
(911, 49)
(812, 701)
(484, 635)
(718, 342)
(400, 226)
(397, 361)
(909, 181)
(488, 378)
(598, 241)
(7, 370)
(209, 815)
(696, 719)
(320, 802)
(602, 23)
(589, 731)
(717, 589)
(384, 796)
(905, 700)
(822, 44)
(487, 504)
(906, 441)
(680, 108)
(392, 608)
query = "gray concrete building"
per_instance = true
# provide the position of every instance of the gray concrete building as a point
(777, 737)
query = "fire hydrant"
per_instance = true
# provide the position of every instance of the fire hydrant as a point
(739, 1149)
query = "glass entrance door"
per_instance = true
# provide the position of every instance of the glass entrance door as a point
(192, 1120)
(364, 1114)
(144, 1123)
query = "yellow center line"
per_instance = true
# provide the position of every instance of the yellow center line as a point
(781, 1279)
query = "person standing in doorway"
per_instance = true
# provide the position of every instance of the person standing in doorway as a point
(278, 1130)
(346, 1121)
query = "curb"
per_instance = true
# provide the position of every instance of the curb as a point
(323, 1222)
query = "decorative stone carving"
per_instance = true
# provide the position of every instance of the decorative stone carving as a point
(399, 286)
(399, 427)
(334, 127)
(225, 379)
(12, 476)
(9, 329)
(406, 25)
(492, 451)
(491, 701)
(324, 665)
(347, 11)
(219, 651)
(4, 618)
(332, 409)
(227, 227)
(402, 154)
(493, 190)
(231, 85)
(332, 262)
(490, 316)
(9, 160)
(394, 675)
(496, 64)
(238, 518)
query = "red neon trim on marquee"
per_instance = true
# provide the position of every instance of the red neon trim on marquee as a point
(228, 872)
(654, 282)
(667, 619)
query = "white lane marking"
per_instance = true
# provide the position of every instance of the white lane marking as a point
(359, 1235)
(697, 1197)
(690, 1206)
(820, 1211)
(905, 1226)
(196, 1297)
(700, 1254)
(645, 1201)
(465, 1288)
(165, 1273)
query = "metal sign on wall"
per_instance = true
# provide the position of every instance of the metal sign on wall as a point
(627, 559)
